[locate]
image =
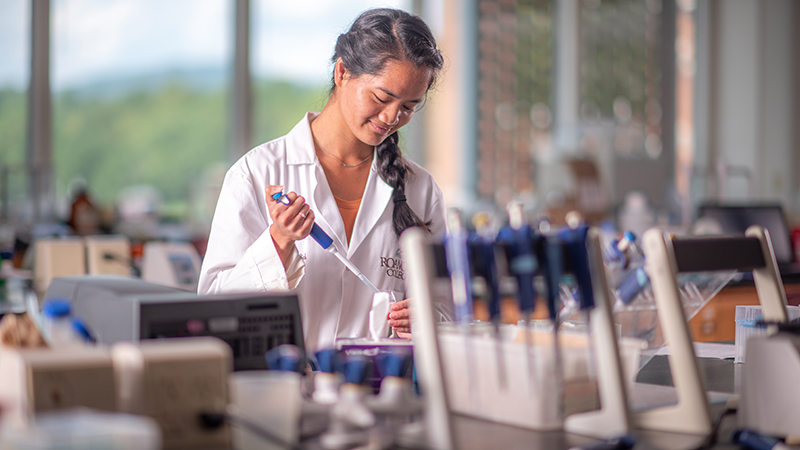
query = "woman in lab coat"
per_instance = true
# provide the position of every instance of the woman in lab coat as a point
(342, 169)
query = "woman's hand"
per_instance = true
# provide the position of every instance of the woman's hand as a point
(399, 318)
(290, 222)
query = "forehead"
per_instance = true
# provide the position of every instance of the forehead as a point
(402, 79)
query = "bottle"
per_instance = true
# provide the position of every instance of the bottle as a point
(57, 324)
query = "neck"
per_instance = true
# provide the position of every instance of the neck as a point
(332, 134)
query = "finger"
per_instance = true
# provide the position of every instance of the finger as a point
(402, 314)
(308, 223)
(291, 216)
(400, 323)
(271, 190)
(304, 211)
(404, 335)
(402, 304)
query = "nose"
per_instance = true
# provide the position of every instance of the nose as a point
(390, 115)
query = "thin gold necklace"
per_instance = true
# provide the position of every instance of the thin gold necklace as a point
(343, 163)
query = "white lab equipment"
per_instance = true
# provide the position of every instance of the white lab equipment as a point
(174, 381)
(747, 320)
(769, 396)
(44, 379)
(269, 399)
(667, 256)
(108, 255)
(54, 258)
(82, 428)
(172, 264)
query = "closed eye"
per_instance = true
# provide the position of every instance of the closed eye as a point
(381, 100)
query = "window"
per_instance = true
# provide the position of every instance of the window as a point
(14, 73)
(140, 96)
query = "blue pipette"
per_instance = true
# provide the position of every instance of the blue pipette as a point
(457, 252)
(517, 238)
(575, 241)
(550, 253)
(485, 265)
(326, 242)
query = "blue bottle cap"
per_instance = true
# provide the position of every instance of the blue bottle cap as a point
(57, 307)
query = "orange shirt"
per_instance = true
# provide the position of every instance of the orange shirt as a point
(348, 209)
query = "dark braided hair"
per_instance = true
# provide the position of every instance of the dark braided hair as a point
(376, 37)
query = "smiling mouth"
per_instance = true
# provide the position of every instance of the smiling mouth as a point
(380, 129)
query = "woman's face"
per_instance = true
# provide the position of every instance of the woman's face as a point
(375, 106)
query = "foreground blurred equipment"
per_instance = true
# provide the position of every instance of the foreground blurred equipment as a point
(43, 379)
(83, 428)
(666, 257)
(173, 264)
(130, 310)
(174, 381)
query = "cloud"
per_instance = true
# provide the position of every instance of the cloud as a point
(100, 39)
(15, 21)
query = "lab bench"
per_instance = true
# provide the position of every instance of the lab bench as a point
(653, 381)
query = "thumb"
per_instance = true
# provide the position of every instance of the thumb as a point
(273, 189)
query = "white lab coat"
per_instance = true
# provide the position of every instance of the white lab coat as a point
(334, 303)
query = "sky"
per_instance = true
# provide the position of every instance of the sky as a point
(98, 40)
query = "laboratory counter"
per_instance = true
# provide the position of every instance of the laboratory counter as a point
(654, 383)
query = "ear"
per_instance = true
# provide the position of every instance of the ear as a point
(340, 73)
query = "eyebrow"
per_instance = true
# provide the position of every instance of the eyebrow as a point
(389, 93)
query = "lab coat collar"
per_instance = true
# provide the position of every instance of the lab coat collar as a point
(301, 141)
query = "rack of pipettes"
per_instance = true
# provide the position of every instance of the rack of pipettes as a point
(478, 263)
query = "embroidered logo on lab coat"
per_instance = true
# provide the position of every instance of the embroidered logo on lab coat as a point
(394, 267)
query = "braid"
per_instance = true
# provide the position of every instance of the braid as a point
(393, 170)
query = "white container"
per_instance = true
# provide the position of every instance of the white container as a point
(747, 316)
(81, 429)
(474, 383)
(269, 399)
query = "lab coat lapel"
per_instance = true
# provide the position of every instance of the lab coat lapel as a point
(327, 212)
(373, 205)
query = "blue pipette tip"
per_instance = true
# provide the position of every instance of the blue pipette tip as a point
(326, 360)
(355, 369)
(287, 358)
(394, 364)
